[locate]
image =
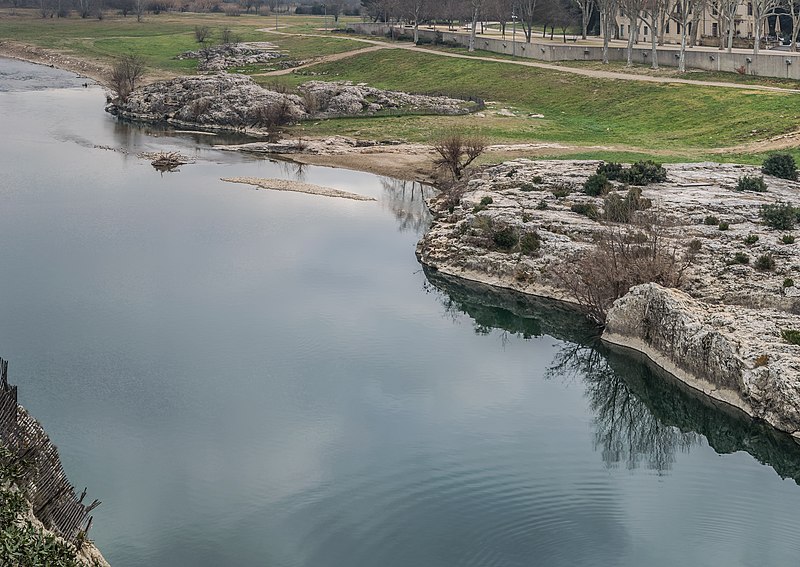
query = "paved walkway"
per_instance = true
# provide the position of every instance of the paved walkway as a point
(377, 45)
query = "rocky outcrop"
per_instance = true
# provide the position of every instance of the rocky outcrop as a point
(731, 354)
(228, 55)
(523, 224)
(236, 102)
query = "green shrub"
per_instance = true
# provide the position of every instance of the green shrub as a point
(640, 173)
(611, 170)
(542, 205)
(711, 220)
(561, 190)
(585, 209)
(765, 263)
(505, 238)
(751, 239)
(787, 239)
(723, 226)
(747, 183)
(483, 205)
(644, 173)
(791, 336)
(741, 258)
(530, 243)
(780, 216)
(597, 184)
(788, 282)
(780, 165)
(619, 209)
(527, 187)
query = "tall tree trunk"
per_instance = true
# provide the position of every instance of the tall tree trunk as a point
(654, 17)
(474, 27)
(604, 21)
(682, 56)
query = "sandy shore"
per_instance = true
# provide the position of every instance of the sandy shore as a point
(297, 187)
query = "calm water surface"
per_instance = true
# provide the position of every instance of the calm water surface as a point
(248, 377)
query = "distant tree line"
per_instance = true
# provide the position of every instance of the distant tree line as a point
(763, 18)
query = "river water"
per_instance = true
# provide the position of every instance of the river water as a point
(247, 377)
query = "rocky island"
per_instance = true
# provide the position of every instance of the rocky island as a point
(709, 246)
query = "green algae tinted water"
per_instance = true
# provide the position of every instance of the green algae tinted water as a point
(247, 377)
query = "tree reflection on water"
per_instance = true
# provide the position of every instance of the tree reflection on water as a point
(406, 201)
(626, 431)
(642, 416)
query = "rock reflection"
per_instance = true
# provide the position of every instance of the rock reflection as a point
(642, 416)
(406, 200)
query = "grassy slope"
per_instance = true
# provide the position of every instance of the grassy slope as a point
(576, 109)
(159, 38)
(666, 121)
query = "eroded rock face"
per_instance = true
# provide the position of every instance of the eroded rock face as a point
(721, 333)
(230, 101)
(227, 55)
(221, 101)
(732, 354)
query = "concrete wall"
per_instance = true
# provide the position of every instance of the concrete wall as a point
(766, 64)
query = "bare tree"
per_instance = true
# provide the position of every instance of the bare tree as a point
(202, 34)
(125, 74)
(761, 9)
(608, 9)
(527, 10)
(793, 7)
(653, 11)
(633, 9)
(457, 152)
(475, 6)
(416, 10)
(682, 14)
(587, 10)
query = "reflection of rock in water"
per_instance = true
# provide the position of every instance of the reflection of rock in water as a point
(643, 417)
(406, 200)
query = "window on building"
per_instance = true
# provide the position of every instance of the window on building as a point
(666, 30)
(714, 30)
(714, 10)
(749, 8)
(645, 30)
(621, 30)
(679, 28)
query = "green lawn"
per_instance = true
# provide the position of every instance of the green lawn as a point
(670, 122)
(576, 109)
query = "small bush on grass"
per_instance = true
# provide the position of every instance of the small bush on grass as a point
(711, 220)
(748, 183)
(780, 165)
(751, 239)
(723, 226)
(787, 239)
(788, 282)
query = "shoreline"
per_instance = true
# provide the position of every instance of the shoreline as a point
(721, 336)
(399, 162)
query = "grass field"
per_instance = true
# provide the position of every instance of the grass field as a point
(622, 119)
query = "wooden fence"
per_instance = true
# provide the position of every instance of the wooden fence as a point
(54, 500)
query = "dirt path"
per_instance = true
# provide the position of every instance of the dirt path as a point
(573, 70)
(324, 59)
